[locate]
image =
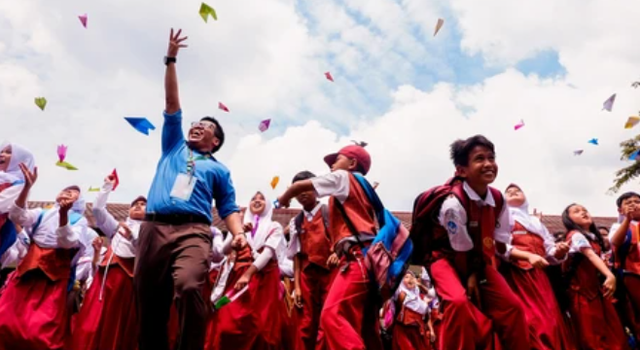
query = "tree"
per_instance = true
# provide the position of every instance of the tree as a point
(626, 174)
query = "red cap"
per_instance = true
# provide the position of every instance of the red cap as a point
(354, 152)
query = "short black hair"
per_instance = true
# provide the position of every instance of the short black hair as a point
(219, 133)
(624, 197)
(461, 149)
(303, 175)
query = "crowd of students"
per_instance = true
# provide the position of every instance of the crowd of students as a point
(491, 275)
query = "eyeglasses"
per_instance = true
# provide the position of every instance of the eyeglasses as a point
(202, 125)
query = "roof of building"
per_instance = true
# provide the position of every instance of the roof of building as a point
(283, 216)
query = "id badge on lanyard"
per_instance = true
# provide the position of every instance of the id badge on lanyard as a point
(186, 182)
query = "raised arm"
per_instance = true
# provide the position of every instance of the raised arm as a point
(19, 213)
(104, 220)
(172, 129)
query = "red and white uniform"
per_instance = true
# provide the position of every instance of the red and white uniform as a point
(34, 302)
(108, 317)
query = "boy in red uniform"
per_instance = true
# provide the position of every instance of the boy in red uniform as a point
(348, 319)
(625, 242)
(310, 249)
(472, 223)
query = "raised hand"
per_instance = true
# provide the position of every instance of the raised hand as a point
(29, 177)
(97, 244)
(65, 205)
(175, 43)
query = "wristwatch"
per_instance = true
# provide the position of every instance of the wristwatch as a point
(168, 60)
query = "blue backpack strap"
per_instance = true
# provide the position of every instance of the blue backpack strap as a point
(375, 201)
(8, 236)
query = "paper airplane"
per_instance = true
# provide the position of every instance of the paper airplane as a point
(264, 125)
(578, 152)
(94, 189)
(608, 104)
(116, 179)
(41, 102)
(66, 166)
(328, 76)
(205, 11)
(519, 125)
(83, 20)
(631, 122)
(634, 155)
(274, 182)
(594, 141)
(438, 26)
(222, 107)
(62, 152)
(141, 124)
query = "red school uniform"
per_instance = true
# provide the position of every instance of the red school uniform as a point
(409, 328)
(470, 234)
(311, 242)
(627, 258)
(349, 316)
(595, 318)
(547, 328)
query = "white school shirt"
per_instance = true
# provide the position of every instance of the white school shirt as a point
(337, 185)
(220, 247)
(580, 243)
(294, 236)
(18, 250)
(8, 196)
(453, 217)
(49, 234)
(121, 246)
(84, 266)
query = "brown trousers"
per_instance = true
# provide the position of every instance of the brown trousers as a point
(171, 266)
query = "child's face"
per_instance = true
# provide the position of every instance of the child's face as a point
(5, 158)
(580, 216)
(71, 195)
(307, 199)
(482, 168)
(409, 281)
(344, 163)
(515, 197)
(633, 204)
(257, 205)
(137, 210)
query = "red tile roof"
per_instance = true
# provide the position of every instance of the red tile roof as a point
(283, 216)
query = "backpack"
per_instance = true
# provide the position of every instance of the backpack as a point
(297, 222)
(387, 258)
(426, 209)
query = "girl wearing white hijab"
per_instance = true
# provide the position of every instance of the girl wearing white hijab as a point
(535, 248)
(410, 309)
(33, 304)
(254, 320)
(11, 184)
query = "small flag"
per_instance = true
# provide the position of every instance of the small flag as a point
(229, 297)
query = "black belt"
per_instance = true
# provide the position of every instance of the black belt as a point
(177, 219)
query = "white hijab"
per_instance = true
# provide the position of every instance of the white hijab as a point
(521, 215)
(412, 298)
(264, 234)
(19, 155)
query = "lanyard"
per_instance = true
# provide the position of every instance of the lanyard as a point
(191, 162)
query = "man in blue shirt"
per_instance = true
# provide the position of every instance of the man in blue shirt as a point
(175, 239)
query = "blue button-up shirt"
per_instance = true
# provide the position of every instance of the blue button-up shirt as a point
(213, 178)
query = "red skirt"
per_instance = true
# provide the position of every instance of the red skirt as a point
(110, 324)
(34, 313)
(547, 329)
(409, 337)
(254, 320)
(596, 323)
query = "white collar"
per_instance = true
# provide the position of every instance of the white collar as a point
(313, 212)
(475, 197)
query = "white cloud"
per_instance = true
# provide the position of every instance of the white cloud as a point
(267, 61)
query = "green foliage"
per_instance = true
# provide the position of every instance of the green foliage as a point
(630, 172)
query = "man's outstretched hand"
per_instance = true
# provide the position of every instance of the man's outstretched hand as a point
(175, 43)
